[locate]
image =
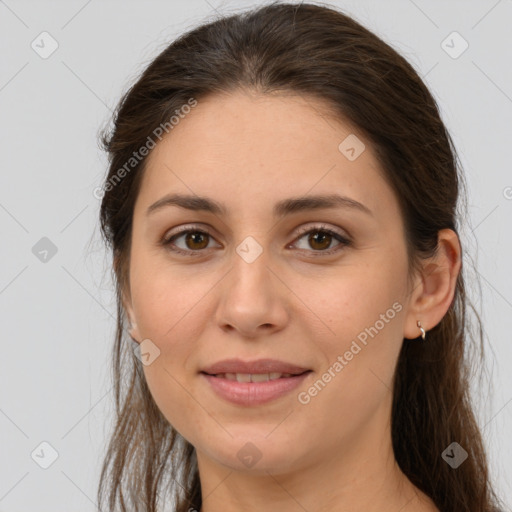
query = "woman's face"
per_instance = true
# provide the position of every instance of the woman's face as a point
(257, 284)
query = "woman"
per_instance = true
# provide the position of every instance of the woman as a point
(281, 209)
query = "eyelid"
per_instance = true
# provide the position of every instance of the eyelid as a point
(321, 226)
(188, 228)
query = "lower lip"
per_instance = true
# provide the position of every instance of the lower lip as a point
(253, 393)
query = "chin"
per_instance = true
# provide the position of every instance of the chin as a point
(255, 454)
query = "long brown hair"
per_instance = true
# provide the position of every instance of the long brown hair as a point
(319, 52)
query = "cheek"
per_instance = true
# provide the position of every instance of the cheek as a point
(354, 300)
(174, 399)
(363, 313)
(175, 324)
(166, 296)
(171, 311)
(355, 382)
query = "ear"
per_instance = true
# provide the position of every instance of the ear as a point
(434, 289)
(126, 302)
(133, 329)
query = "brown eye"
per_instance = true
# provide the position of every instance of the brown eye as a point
(191, 242)
(196, 240)
(320, 238)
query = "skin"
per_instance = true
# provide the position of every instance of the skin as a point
(292, 303)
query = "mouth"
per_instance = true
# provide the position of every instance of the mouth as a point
(253, 389)
(259, 367)
(255, 377)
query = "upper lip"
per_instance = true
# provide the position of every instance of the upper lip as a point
(252, 367)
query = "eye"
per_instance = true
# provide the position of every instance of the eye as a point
(321, 237)
(195, 240)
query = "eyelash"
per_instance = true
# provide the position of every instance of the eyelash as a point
(344, 242)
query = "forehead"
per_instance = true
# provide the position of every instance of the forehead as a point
(251, 150)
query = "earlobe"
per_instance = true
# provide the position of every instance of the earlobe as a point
(434, 294)
(133, 330)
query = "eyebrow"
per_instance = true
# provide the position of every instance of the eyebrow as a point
(281, 209)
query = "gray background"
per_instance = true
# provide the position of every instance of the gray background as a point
(58, 315)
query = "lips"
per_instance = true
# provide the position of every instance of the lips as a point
(260, 366)
(251, 394)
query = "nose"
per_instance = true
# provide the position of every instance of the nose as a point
(252, 298)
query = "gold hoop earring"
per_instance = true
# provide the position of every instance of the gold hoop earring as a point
(423, 333)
